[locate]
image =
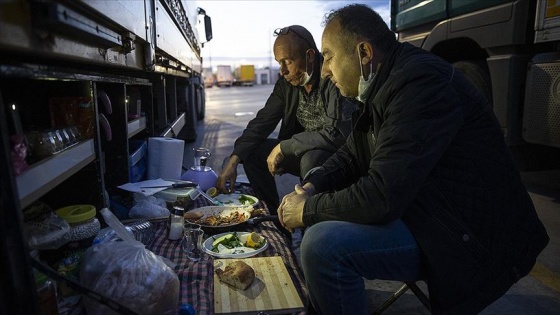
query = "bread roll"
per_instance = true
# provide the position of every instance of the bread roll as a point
(193, 215)
(237, 274)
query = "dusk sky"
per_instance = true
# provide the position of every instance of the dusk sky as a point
(242, 30)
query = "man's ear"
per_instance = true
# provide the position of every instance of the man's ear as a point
(365, 50)
(311, 53)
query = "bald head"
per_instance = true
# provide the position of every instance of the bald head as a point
(297, 54)
(295, 37)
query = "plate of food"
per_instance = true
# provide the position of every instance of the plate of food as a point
(236, 200)
(218, 216)
(235, 244)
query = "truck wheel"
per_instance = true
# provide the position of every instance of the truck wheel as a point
(478, 74)
(200, 100)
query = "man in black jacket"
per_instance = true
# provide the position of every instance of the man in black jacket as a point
(315, 121)
(424, 188)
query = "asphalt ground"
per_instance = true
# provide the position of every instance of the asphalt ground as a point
(228, 110)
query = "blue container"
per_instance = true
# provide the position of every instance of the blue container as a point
(138, 160)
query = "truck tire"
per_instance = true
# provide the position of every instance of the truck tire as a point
(200, 100)
(478, 74)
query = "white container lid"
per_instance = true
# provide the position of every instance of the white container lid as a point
(171, 194)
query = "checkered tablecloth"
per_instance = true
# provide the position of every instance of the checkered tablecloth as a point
(197, 278)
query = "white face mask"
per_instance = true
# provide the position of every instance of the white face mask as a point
(364, 84)
(306, 76)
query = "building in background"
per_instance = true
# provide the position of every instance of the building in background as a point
(266, 75)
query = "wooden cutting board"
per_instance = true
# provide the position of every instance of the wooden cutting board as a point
(272, 291)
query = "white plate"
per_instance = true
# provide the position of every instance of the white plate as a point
(221, 211)
(232, 200)
(248, 252)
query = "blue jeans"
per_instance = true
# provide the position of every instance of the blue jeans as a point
(336, 255)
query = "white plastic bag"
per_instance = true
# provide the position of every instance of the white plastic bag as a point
(48, 232)
(148, 207)
(129, 274)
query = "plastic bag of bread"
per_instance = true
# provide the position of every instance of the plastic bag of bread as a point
(130, 275)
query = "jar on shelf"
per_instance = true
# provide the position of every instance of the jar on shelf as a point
(82, 220)
(46, 294)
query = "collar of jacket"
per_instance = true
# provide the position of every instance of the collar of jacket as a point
(383, 71)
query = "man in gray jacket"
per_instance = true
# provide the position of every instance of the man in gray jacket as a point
(425, 188)
(315, 121)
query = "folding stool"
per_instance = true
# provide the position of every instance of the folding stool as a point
(407, 285)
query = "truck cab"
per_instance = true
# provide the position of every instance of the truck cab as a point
(508, 48)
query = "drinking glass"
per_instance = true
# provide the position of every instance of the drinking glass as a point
(76, 133)
(64, 137)
(57, 140)
(192, 241)
(71, 136)
(201, 156)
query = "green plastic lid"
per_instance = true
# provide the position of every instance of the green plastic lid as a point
(40, 278)
(76, 213)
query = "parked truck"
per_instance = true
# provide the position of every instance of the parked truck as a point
(224, 77)
(245, 75)
(510, 49)
(116, 73)
(208, 76)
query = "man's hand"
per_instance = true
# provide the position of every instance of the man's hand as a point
(290, 211)
(273, 161)
(228, 175)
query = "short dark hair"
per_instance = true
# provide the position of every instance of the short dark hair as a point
(362, 21)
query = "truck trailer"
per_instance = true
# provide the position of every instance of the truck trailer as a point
(245, 75)
(208, 76)
(224, 77)
(508, 48)
(111, 74)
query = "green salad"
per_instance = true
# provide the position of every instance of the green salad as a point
(244, 200)
(232, 240)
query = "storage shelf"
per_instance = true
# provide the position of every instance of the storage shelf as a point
(175, 127)
(135, 126)
(40, 178)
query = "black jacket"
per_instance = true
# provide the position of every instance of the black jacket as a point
(428, 149)
(281, 106)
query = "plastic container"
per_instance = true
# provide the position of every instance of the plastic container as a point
(183, 197)
(46, 294)
(176, 223)
(117, 226)
(76, 214)
(186, 309)
(138, 160)
(82, 220)
(143, 231)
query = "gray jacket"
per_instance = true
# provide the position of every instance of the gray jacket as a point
(281, 107)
